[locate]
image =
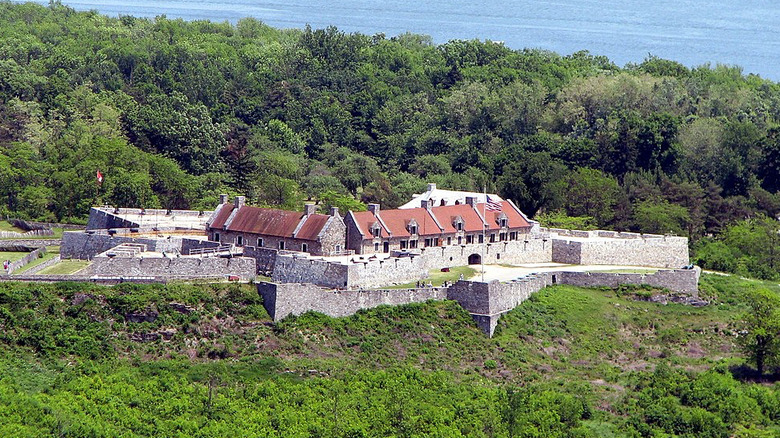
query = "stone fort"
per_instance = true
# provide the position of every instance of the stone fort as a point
(339, 264)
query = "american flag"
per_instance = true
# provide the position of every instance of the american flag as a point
(492, 204)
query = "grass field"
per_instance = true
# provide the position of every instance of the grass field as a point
(6, 226)
(51, 252)
(12, 255)
(436, 277)
(65, 267)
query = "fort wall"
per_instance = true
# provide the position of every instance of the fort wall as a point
(183, 267)
(613, 248)
(86, 245)
(486, 302)
(283, 300)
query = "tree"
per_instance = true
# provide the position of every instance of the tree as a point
(761, 328)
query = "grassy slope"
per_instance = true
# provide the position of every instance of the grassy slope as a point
(592, 342)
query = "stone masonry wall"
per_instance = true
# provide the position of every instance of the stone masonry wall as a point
(293, 269)
(84, 246)
(533, 250)
(99, 219)
(282, 300)
(383, 272)
(660, 251)
(190, 267)
(678, 280)
(486, 302)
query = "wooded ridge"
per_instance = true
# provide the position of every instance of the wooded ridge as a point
(172, 113)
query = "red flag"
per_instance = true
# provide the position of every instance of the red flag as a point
(99, 177)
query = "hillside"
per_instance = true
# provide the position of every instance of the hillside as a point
(204, 360)
(172, 113)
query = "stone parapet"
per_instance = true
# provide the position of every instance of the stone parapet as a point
(282, 300)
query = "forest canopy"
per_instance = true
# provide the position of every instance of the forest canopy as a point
(174, 112)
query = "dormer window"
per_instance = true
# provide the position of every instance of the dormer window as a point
(502, 220)
(458, 223)
(412, 227)
(376, 229)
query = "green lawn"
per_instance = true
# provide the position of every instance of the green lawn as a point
(51, 252)
(436, 277)
(12, 255)
(65, 267)
(6, 226)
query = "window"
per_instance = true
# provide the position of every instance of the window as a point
(412, 244)
(492, 238)
(459, 226)
(469, 239)
(502, 237)
(338, 248)
(460, 240)
(376, 231)
(240, 241)
(502, 222)
(513, 235)
(481, 238)
(281, 244)
(449, 241)
(376, 247)
(428, 242)
(412, 229)
(304, 247)
(260, 243)
(216, 237)
(404, 244)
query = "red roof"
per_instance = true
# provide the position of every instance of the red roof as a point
(447, 214)
(270, 222)
(364, 220)
(398, 222)
(312, 227)
(514, 218)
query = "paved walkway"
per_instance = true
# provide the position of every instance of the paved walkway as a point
(507, 273)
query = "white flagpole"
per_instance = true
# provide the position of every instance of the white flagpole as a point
(484, 224)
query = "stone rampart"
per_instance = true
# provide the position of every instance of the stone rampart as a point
(86, 245)
(181, 267)
(282, 300)
(678, 280)
(100, 220)
(40, 267)
(623, 250)
(385, 271)
(265, 257)
(24, 260)
(514, 252)
(13, 244)
(297, 269)
(486, 302)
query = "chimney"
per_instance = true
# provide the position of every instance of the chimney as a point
(334, 211)
(310, 209)
(471, 200)
(431, 187)
(373, 208)
(239, 202)
(424, 203)
(223, 198)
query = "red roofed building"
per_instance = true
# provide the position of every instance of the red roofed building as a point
(379, 230)
(243, 225)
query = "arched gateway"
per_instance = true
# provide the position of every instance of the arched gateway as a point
(475, 259)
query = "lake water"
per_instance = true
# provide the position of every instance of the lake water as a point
(692, 32)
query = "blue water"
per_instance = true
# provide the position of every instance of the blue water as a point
(693, 32)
